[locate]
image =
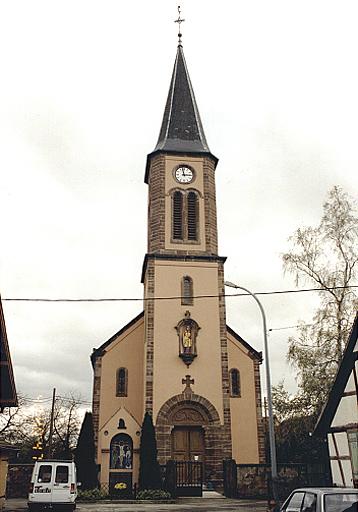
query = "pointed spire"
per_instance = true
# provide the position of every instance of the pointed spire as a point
(182, 130)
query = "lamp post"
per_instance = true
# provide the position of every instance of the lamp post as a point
(269, 395)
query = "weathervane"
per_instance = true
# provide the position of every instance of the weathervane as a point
(179, 21)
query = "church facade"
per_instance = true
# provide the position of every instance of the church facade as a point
(178, 359)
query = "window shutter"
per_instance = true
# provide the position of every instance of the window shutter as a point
(192, 216)
(178, 216)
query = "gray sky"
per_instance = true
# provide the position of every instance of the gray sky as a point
(82, 95)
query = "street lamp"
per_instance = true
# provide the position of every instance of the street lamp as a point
(269, 395)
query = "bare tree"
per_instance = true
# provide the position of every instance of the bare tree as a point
(325, 257)
(28, 425)
(66, 425)
(9, 419)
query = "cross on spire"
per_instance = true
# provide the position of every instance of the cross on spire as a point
(179, 21)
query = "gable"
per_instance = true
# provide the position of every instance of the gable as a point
(106, 345)
(240, 342)
(341, 393)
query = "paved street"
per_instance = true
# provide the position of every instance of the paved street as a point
(182, 505)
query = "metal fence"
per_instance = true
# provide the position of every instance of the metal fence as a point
(18, 480)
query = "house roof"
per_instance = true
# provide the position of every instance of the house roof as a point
(350, 356)
(8, 397)
(181, 130)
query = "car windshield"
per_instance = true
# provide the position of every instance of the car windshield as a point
(346, 502)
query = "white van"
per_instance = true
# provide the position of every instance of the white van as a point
(53, 485)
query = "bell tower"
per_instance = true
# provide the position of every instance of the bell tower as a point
(180, 173)
(185, 322)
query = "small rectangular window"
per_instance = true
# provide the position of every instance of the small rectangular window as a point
(187, 291)
(61, 475)
(353, 448)
(45, 474)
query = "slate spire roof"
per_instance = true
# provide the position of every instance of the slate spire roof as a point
(182, 130)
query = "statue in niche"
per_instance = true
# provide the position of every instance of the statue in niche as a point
(187, 330)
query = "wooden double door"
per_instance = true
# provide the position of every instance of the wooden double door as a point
(188, 444)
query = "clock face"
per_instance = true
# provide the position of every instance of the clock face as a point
(184, 174)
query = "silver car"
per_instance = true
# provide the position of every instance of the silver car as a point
(329, 499)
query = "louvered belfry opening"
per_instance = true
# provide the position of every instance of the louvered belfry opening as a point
(185, 216)
(192, 216)
(178, 216)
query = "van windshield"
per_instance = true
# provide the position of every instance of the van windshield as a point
(45, 474)
(61, 475)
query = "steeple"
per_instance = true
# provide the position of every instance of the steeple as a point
(182, 130)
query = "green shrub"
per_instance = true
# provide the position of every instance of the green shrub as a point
(92, 495)
(153, 494)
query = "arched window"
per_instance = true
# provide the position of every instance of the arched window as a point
(235, 388)
(178, 216)
(121, 452)
(122, 382)
(187, 291)
(192, 217)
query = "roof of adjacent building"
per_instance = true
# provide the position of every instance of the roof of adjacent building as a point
(347, 365)
(8, 397)
(182, 130)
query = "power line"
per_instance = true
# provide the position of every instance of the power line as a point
(289, 327)
(176, 297)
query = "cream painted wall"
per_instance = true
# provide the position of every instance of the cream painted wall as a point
(108, 431)
(127, 351)
(243, 409)
(171, 162)
(169, 369)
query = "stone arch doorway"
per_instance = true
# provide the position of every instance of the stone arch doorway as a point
(189, 426)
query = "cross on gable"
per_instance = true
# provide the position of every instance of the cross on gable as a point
(187, 381)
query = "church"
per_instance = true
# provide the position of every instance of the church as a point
(178, 359)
